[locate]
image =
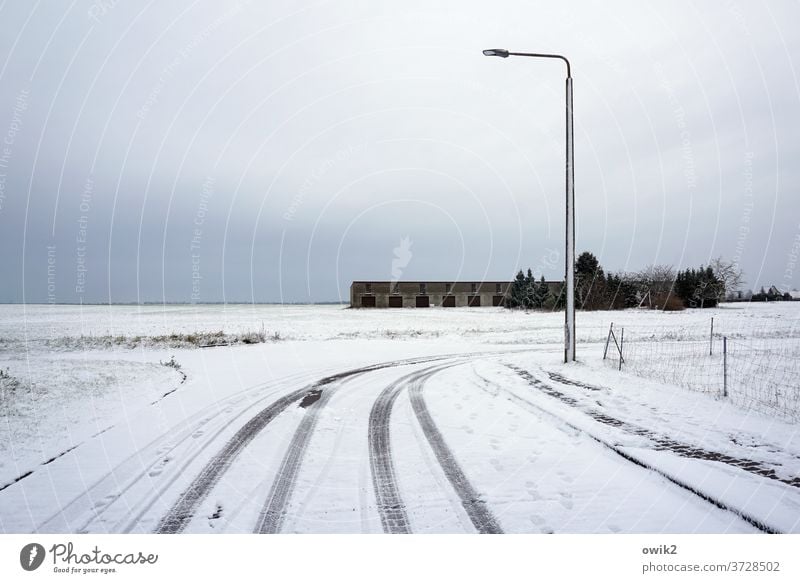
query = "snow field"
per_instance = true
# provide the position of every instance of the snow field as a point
(544, 452)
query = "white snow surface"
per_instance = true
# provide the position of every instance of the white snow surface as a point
(102, 437)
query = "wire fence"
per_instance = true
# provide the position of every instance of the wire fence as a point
(756, 369)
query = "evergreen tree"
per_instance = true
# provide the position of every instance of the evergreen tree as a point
(630, 295)
(589, 281)
(530, 282)
(541, 293)
(517, 293)
(698, 288)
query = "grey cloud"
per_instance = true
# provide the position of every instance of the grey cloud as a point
(330, 131)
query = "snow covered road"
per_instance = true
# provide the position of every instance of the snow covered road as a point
(473, 442)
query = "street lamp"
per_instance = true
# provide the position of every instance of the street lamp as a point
(569, 315)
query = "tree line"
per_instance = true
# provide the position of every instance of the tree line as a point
(657, 286)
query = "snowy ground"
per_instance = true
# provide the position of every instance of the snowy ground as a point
(440, 420)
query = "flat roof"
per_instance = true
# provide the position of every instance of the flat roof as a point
(445, 281)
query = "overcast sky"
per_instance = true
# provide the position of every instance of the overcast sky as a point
(275, 151)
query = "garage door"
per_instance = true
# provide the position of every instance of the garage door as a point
(395, 301)
(367, 301)
(449, 302)
(497, 300)
(474, 301)
(423, 301)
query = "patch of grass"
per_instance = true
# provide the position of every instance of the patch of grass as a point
(8, 382)
(171, 363)
(197, 339)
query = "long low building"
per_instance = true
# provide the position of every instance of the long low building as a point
(426, 294)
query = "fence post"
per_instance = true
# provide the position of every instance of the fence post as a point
(608, 339)
(621, 342)
(724, 366)
(711, 341)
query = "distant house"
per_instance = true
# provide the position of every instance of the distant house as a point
(795, 295)
(425, 294)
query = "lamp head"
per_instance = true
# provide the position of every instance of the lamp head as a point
(496, 53)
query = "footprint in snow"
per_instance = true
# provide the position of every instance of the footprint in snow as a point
(536, 519)
(105, 501)
(530, 487)
(564, 477)
(159, 469)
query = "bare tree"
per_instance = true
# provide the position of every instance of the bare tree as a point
(657, 279)
(729, 274)
(654, 284)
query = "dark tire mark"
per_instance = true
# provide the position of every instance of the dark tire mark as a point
(271, 517)
(311, 398)
(184, 508)
(567, 381)
(394, 518)
(133, 518)
(18, 478)
(391, 509)
(182, 511)
(110, 481)
(477, 510)
(69, 449)
(759, 524)
(661, 442)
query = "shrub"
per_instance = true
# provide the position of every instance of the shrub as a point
(172, 363)
(670, 303)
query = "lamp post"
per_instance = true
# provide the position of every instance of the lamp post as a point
(569, 315)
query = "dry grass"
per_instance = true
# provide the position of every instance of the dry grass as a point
(172, 340)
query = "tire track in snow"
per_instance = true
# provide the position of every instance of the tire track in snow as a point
(106, 490)
(343, 425)
(270, 519)
(183, 510)
(391, 509)
(663, 442)
(547, 389)
(476, 508)
(132, 518)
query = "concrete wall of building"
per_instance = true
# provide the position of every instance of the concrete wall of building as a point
(463, 293)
